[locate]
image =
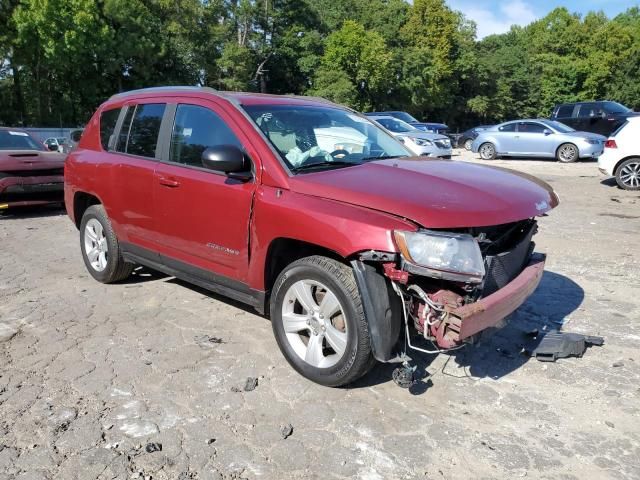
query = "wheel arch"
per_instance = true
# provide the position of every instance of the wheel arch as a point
(82, 201)
(621, 161)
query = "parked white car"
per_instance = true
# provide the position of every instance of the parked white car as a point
(621, 157)
(419, 142)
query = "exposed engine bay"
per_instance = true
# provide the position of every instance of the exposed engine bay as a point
(434, 306)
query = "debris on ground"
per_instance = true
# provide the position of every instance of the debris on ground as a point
(153, 447)
(250, 384)
(207, 340)
(403, 376)
(617, 364)
(554, 345)
(286, 430)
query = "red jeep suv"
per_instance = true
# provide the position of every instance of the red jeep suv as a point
(309, 212)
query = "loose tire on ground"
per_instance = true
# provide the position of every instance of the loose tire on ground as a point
(307, 285)
(100, 248)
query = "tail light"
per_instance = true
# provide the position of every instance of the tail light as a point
(611, 143)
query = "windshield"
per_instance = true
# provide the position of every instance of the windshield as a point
(323, 137)
(395, 125)
(615, 107)
(404, 116)
(17, 140)
(560, 127)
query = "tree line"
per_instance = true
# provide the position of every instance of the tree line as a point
(59, 59)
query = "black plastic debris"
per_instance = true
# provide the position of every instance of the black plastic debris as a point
(153, 447)
(554, 345)
(403, 376)
(207, 340)
(250, 384)
(286, 430)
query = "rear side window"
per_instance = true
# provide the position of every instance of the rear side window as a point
(565, 111)
(511, 127)
(143, 126)
(108, 119)
(589, 110)
(196, 129)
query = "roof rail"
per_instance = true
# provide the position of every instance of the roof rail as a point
(164, 89)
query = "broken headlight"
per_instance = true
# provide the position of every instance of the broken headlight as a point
(453, 256)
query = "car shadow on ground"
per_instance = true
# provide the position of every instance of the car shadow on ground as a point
(497, 352)
(610, 182)
(21, 213)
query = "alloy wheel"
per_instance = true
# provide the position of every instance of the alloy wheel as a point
(630, 174)
(314, 323)
(568, 153)
(487, 151)
(95, 245)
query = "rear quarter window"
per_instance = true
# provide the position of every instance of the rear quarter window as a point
(108, 119)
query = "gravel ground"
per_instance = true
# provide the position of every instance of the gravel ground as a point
(146, 379)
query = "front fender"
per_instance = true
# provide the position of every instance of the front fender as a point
(340, 227)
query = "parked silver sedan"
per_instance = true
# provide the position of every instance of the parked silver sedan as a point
(537, 138)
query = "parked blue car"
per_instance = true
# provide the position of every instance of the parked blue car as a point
(537, 138)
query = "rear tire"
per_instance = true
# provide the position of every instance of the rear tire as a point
(567, 153)
(487, 151)
(100, 248)
(628, 174)
(319, 322)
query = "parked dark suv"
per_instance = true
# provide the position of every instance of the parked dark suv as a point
(602, 117)
(309, 212)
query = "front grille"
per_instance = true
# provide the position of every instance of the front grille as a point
(33, 173)
(443, 143)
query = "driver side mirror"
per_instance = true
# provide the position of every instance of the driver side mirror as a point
(547, 131)
(228, 159)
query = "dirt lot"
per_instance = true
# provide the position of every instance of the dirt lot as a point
(92, 374)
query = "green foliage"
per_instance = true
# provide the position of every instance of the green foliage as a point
(61, 58)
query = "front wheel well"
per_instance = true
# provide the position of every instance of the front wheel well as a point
(82, 201)
(284, 251)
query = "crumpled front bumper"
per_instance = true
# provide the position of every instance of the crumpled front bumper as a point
(467, 320)
(35, 190)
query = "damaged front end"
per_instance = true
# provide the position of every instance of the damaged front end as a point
(449, 305)
(456, 284)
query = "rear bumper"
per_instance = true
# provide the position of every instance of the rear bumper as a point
(26, 191)
(489, 311)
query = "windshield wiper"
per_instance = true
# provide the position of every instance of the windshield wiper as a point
(384, 157)
(324, 163)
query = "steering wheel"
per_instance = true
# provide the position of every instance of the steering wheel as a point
(341, 152)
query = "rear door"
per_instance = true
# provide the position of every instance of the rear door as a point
(136, 155)
(589, 117)
(203, 215)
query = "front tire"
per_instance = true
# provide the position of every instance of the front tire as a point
(567, 153)
(487, 151)
(100, 248)
(467, 144)
(628, 174)
(319, 322)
